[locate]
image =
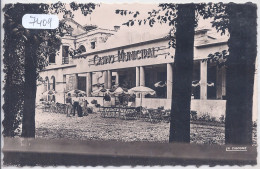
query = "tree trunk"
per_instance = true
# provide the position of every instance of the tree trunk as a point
(9, 116)
(182, 74)
(240, 73)
(28, 122)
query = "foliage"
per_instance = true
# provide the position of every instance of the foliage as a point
(219, 58)
(161, 108)
(205, 117)
(167, 14)
(94, 101)
(193, 115)
(107, 98)
(75, 53)
(131, 98)
(217, 11)
(222, 119)
(123, 99)
(42, 44)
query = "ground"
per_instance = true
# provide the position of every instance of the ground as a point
(94, 127)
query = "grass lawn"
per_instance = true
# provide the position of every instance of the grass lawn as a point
(94, 127)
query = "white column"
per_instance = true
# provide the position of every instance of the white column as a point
(89, 84)
(203, 80)
(137, 79)
(117, 78)
(109, 79)
(142, 76)
(169, 81)
(105, 79)
(137, 76)
(223, 81)
(76, 86)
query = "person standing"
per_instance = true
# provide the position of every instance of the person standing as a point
(86, 105)
(68, 105)
(75, 104)
(81, 105)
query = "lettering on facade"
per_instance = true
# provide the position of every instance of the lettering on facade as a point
(104, 59)
(125, 56)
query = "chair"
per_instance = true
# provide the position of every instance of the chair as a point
(144, 113)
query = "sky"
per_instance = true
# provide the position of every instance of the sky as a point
(104, 16)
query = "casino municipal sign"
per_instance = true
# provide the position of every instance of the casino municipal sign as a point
(123, 56)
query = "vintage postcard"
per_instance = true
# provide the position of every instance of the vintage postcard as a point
(158, 83)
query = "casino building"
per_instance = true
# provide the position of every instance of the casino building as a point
(129, 59)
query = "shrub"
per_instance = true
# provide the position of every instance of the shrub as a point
(254, 123)
(90, 110)
(107, 98)
(205, 117)
(94, 101)
(213, 119)
(132, 98)
(193, 115)
(161, 108)
(222, 119)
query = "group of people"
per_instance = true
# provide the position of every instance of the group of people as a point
(77, 103)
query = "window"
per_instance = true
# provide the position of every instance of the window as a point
(65, 54)
(52, 58)
(93, 45)
(53, 82)
(113, 80)
(82, 49)
(46, 84)
(82, 83)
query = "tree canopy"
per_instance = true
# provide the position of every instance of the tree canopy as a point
(40, 44)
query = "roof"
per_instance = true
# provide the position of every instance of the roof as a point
(79, 30)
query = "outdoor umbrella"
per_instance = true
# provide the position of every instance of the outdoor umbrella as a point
(160, 84)
(196, 83)
(119, 90)
(76, 91)
(100, 91)
(49, 92)
(103, 91)
(142, 90)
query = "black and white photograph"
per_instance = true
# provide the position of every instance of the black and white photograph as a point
(142, 83)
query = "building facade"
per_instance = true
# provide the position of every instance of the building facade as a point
(129, 59)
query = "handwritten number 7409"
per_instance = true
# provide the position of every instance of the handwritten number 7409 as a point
(41, 22)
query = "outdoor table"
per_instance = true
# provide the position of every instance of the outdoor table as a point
(46, 106)
(109, 111)
(127, 112)
(120, 112)
(155, 114)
